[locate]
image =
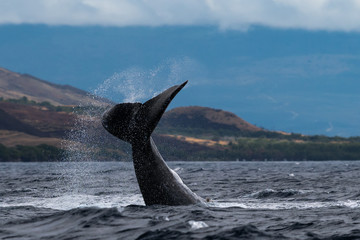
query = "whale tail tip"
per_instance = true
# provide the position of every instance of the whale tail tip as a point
(132, 122)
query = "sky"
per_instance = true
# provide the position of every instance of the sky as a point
(230, 14)
(280, 64)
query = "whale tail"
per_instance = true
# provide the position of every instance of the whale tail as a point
(133, 122)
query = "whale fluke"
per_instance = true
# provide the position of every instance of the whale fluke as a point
(134, 123)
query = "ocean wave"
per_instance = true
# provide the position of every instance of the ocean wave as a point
(285, 205)
(196, 170)
(284, 193)
(60, 225)
(195, 225)
(245, 203)
(239, 232)
(164, 222)
(71, 201)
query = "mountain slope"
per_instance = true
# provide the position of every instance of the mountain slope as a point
(35, 120)
(205, 122)
(8, 122)
(14, 86)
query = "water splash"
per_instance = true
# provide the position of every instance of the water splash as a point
(88, 141)
(137, 84)
(83, 144)
(195, 225)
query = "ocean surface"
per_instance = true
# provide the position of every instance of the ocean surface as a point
(249, 200)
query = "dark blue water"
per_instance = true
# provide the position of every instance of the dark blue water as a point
(249, 200)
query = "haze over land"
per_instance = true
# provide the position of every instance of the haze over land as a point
(282, 65)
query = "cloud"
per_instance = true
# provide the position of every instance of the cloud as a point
(231, 14)
(303, 66)
(278, 70)
(330, 128)
(294, 114)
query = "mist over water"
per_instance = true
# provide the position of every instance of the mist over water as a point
(81, 144)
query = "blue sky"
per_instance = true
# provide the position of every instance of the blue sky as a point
(282, 65)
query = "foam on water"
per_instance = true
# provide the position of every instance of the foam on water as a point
(278, 193)
(284, 205)
(71, 201)
(194, 225)
(76, 200)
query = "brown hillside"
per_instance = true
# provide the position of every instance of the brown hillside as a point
(14, 86)
(206, 119)
(8, 122)
(14, 138)
(34, 120)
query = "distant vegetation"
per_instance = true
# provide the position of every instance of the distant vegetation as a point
(218, 133)
(39, 153)
(68, 109)
(25, 101)
(274, 149)
(248, 149)
(265, 149)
